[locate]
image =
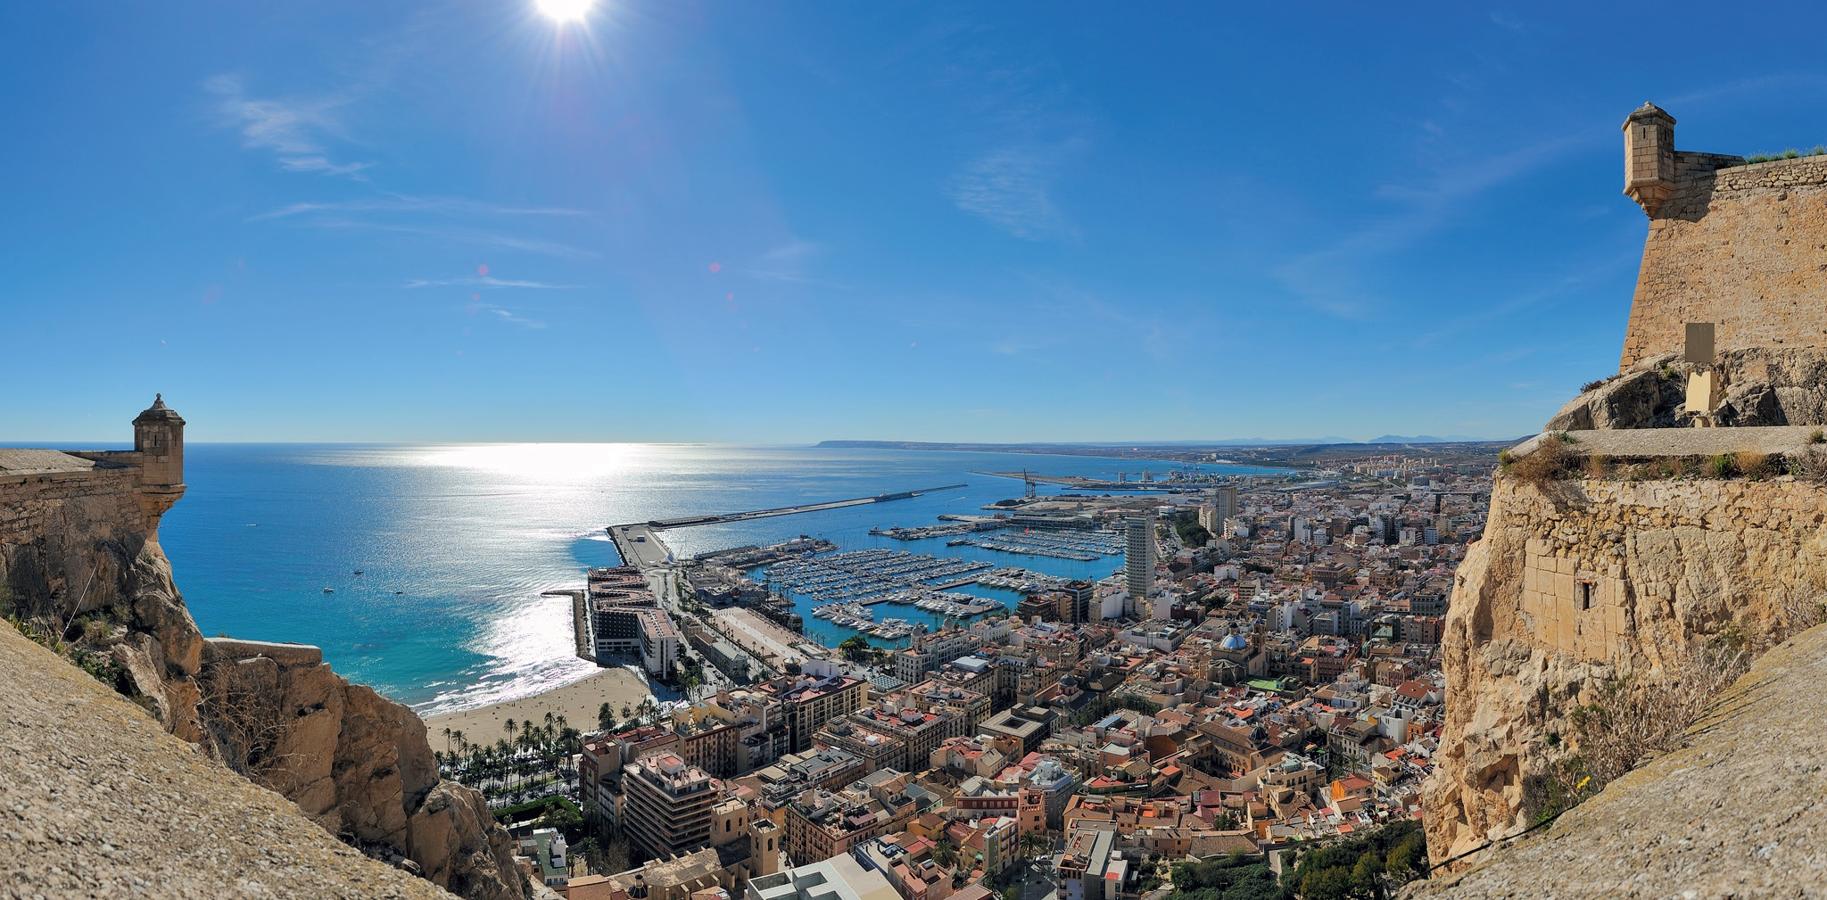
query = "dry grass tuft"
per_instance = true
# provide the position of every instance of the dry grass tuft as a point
(1809, 465)
(1550, 461)
(1754, 465)
(1598, 466)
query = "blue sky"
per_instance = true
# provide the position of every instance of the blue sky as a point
(779, 222)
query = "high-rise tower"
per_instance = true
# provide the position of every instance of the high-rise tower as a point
(1139, 558)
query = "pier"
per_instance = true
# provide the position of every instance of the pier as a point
(639, 543)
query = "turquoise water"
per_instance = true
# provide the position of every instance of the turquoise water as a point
(456, 542)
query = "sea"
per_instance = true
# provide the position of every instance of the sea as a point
(455, 544)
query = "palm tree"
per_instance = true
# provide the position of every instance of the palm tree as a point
(510, 726)
(447, 738)
(605, 717)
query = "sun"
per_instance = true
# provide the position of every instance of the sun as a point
(564, 11)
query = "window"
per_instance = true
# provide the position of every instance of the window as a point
(1584, 592)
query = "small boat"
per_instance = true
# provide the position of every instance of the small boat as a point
(358, 571)
(397, 593)
(329, 590)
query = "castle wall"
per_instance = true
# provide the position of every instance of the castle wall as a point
(53, 527)
(1743, 247)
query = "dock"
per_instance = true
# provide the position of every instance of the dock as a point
(640, 546)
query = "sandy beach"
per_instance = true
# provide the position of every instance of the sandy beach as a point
(577, 702)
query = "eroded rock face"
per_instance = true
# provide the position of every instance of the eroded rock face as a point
(1578, 581)
(356, 763)
(97, 800)
(1647, 395)
(1758, 387)
(1737, 813)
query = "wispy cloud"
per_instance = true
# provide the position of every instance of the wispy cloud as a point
(1329, 277)
(407, 203)
(1012, 188)
(1507, 21)
(793, 251)
(296, 131)
(1014, 346)
(465, 235)
(511, 317)
(484, 281)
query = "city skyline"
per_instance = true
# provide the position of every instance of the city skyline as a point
(786, 224)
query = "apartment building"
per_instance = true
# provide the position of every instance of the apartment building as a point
(666, 804)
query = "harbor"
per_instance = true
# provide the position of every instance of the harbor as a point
(1083, 546)
(640, 546)
(832, 590)
(872, 576)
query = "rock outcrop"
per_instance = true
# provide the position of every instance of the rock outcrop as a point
(97, 800)
(1760, 386)
(1740, 812)
(80, 559)
(355, 762)
(1578, 581)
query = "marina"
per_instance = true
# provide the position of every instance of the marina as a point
(871, 576)
(860, 618)
(1023, 581)
(1083, 546)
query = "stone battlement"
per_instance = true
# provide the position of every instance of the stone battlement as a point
(1736, 245)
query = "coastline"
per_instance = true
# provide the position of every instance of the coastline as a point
(577, 702)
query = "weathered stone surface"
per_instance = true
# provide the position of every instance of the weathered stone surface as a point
(1740, 247)
(1774, 387)
(1759, 387)
(444, 836)
(1647, 395)
(1577, 581)
(78, 547)
(96, 800)
(1740, 812)
(355, 762)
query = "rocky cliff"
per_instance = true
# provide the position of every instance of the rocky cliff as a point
(1578, 582)
(97, 800)
(81, 566)
(1741, 812)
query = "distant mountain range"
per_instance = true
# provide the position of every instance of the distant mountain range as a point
(1423, 439)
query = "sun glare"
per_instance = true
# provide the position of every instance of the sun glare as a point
(564, 11)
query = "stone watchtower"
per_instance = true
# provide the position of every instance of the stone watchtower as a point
(158, 438)
(1649, 156)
